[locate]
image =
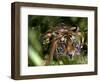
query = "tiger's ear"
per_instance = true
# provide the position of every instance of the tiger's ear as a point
(74, 29)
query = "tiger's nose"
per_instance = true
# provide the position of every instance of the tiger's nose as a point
(71, 54)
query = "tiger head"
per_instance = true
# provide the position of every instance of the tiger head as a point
(73, 43)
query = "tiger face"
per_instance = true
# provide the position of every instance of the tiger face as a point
(74, 44)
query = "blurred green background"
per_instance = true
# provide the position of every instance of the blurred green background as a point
(37, 25)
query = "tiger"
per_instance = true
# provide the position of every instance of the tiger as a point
(66, 41)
